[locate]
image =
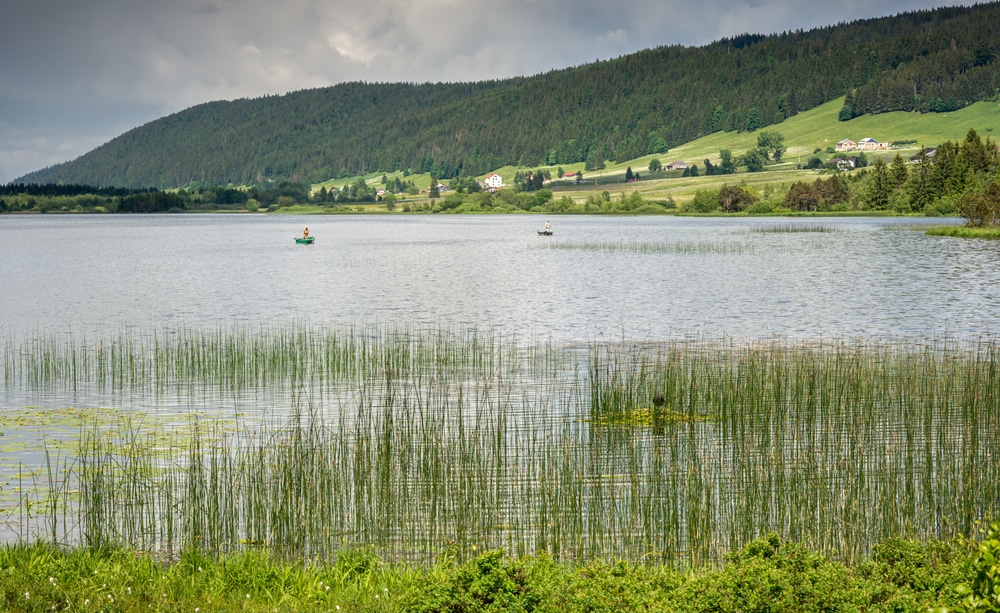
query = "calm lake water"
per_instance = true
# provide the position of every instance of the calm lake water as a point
(597, 279)
(606, 277)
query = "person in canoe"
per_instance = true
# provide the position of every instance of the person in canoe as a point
(305, 232)
(548, 226)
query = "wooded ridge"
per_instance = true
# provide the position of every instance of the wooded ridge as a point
(619, 109)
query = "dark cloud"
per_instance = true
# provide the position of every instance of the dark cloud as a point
(74, 74)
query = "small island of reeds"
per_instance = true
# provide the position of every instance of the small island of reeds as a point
(992, 233)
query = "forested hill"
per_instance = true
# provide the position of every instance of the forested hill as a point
(617, 109)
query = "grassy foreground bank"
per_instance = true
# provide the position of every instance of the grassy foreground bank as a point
(768, 574)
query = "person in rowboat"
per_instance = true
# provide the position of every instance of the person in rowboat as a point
(305, 232)
(548, 227)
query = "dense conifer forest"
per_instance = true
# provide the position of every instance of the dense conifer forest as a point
(619, 109)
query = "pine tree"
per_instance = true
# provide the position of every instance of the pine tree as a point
(718, 119)
(898, 172)
(727, 165)
(920, 186)
(879, 187)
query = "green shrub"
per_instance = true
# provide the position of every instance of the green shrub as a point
(763, 207)
(771, 575)
(705, 201)
(942, 208)
(983, 593)
(491, 582)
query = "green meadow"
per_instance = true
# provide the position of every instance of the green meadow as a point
(804, 133)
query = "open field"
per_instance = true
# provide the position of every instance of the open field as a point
(804, 133)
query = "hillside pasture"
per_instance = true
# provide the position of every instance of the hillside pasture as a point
(804, 134)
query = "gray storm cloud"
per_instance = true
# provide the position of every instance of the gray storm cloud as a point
(74, 74)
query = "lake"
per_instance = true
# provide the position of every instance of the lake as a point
(420, 383)
(596, 277)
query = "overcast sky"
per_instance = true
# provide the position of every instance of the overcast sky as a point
(76, 73)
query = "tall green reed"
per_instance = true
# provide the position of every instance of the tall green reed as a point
(454, 441)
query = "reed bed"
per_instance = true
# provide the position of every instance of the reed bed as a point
(241, 358)
(672, 452)
(790, 228)
(650, 248)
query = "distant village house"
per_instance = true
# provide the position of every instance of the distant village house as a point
(849, 164)
(870, 144)
(493, 181)
(865, 144)
(677, 166)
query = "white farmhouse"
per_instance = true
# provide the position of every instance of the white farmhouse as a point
(870, 144)
(493, 181)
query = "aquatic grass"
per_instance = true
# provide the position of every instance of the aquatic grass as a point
(651, 248)
(790, 228)
(989, 233)
(234, 359)
(833, 431)
(419, 443)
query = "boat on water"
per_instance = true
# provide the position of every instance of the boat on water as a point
(304, 240)
(545, 233)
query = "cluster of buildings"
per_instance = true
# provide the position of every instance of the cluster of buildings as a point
(865, 144)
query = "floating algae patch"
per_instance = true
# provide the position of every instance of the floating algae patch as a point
(31, 431)
(33, 417)
(41, 451)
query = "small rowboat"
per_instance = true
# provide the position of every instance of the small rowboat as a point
(545, 233)
(308, 240)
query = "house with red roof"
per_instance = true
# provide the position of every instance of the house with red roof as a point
(493, 181)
